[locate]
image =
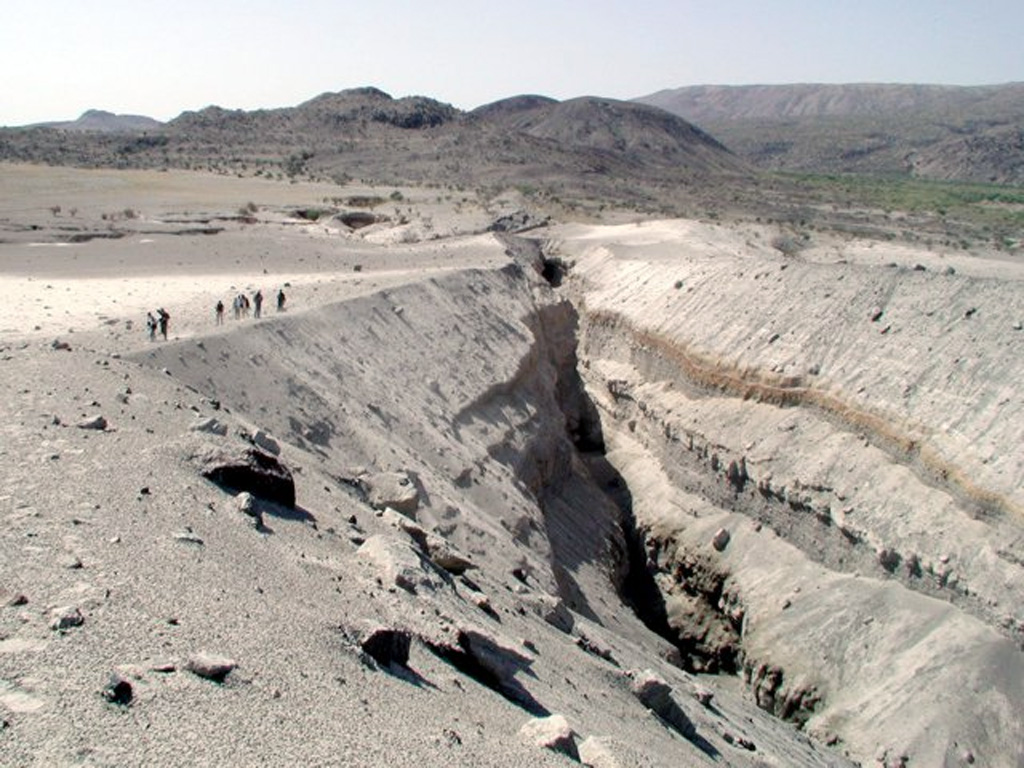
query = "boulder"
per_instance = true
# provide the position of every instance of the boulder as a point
(552, 732)
(249, 469)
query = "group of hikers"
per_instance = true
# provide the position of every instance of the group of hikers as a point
(158, 322)
(240, 305)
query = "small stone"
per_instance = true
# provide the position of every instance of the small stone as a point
(552, 733)
(720, 540)
(210, 666)
(66, 617)
(263, 440)
(12, 599)
(703, 696)
(188, 537)
(211, 426)
(97, 422)
(118, 690)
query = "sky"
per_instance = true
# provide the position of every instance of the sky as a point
(162, 57)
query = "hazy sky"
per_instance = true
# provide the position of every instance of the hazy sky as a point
(161, 57)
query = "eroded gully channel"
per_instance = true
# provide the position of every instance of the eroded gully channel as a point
(579, 479)
(655, 567)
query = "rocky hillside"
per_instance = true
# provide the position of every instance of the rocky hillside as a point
(934, 131)
(589, 146)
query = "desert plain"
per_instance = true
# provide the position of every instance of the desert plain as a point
(628, 491)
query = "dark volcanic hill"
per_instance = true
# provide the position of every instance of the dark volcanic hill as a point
(590, 146)
(947, 132)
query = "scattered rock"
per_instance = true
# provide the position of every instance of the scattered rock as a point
(594, 649)
(210, 666)
(247, 505)
(391, 489)
(703, 696)
(210, 425)
(438, 550)
(385, 645)
(483, 602)
(263, 440)
(97, 422)
(720, 540)
(596, 753)
(9, 599)
(552, 732)
(65, 618)
(249, 469)
(552, 609)
(399, 564)
(490, 662)
(118, 690)
(188, 537)
(655, 694)
(71, 562)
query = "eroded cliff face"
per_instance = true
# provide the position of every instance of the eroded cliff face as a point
(823, 468)
(657, 438)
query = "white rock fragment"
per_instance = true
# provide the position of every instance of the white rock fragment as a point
(552, 733)
(211, 666)
(66, 617)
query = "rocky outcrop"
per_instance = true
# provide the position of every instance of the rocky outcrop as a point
(242, 468)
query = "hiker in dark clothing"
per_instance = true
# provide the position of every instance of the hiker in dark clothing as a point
(163, 317)
(220, 312)
(257, 300)
(151, 326)
(280, 300)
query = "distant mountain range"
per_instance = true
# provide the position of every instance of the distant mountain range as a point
(587, 144)
(105, 122)
(946, 132)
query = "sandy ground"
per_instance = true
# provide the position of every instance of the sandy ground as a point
(425, 347)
